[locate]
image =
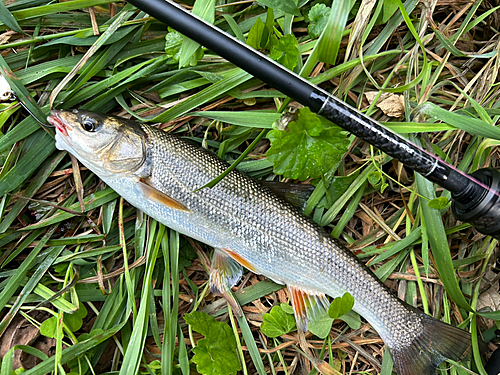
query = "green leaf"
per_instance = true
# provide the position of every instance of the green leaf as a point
(436, 234)
(439, 203)
(352, 319)
(318, 19)
(40, 11)
(216, 353)
(341, 306)
(7, 363)
(277, 322)
(309, 147)
(286, 308)
(41, 145)
(287, 6)
(286, 51)
(48, 327)
(173, 42)
(336, 189)
(389, 8)
(374, 178)
(320, 326)
(234, 27)
(75, 321)
(8, 19)
(247, 334)
(258, 36)
(232, 78)
(56, 300)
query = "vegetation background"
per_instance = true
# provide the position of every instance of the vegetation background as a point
(90, 285)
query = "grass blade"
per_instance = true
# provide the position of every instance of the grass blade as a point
(250, 119)
(469, 124)
(8, 19)
(74, 351)
(235, 78)
(439, 243)
(16, 279)
(124, 15)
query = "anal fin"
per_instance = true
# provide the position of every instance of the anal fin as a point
(307, 305)
(154, 194)
(224, 274)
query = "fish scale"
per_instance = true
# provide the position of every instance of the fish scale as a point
(246, 222)
(265, 230)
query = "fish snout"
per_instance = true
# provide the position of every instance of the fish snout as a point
(55, 119)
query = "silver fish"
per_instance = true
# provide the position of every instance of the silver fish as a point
(248, 225)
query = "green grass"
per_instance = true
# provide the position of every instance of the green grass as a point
(137, 278)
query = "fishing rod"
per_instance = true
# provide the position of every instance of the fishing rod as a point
(475, 197)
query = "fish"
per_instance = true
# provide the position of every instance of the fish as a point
(249, 226)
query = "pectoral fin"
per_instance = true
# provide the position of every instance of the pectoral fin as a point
(154, 194)
(224, 274)
(307, 305)
(238, 258)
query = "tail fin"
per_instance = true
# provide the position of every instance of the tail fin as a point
(437, 342)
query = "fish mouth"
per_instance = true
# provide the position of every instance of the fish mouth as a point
(56, 120)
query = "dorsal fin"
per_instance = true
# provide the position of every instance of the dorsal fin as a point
(295, 194)
(307, 305)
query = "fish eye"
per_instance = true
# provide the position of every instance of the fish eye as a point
(89, 123)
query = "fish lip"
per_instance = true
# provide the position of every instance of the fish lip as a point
(56, 120)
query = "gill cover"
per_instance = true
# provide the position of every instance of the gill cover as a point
(128, 152)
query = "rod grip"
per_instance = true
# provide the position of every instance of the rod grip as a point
(481, 207)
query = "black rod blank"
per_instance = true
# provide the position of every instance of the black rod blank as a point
(304, 92)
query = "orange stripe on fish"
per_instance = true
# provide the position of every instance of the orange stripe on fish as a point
(240, 260)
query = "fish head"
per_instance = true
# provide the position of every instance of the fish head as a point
(107, 145)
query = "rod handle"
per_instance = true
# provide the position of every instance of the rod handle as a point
(479, 206)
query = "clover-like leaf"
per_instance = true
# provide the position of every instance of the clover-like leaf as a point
(286, 51)
(277, 322)
(308, 147)
(374, 178)
(318, 18)
(287, 308)
(341, 306)
(73, 321)
(320, 326)
(439, 203)
(48, 327)
(173, 42)
(352, 319)
(216, 353)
